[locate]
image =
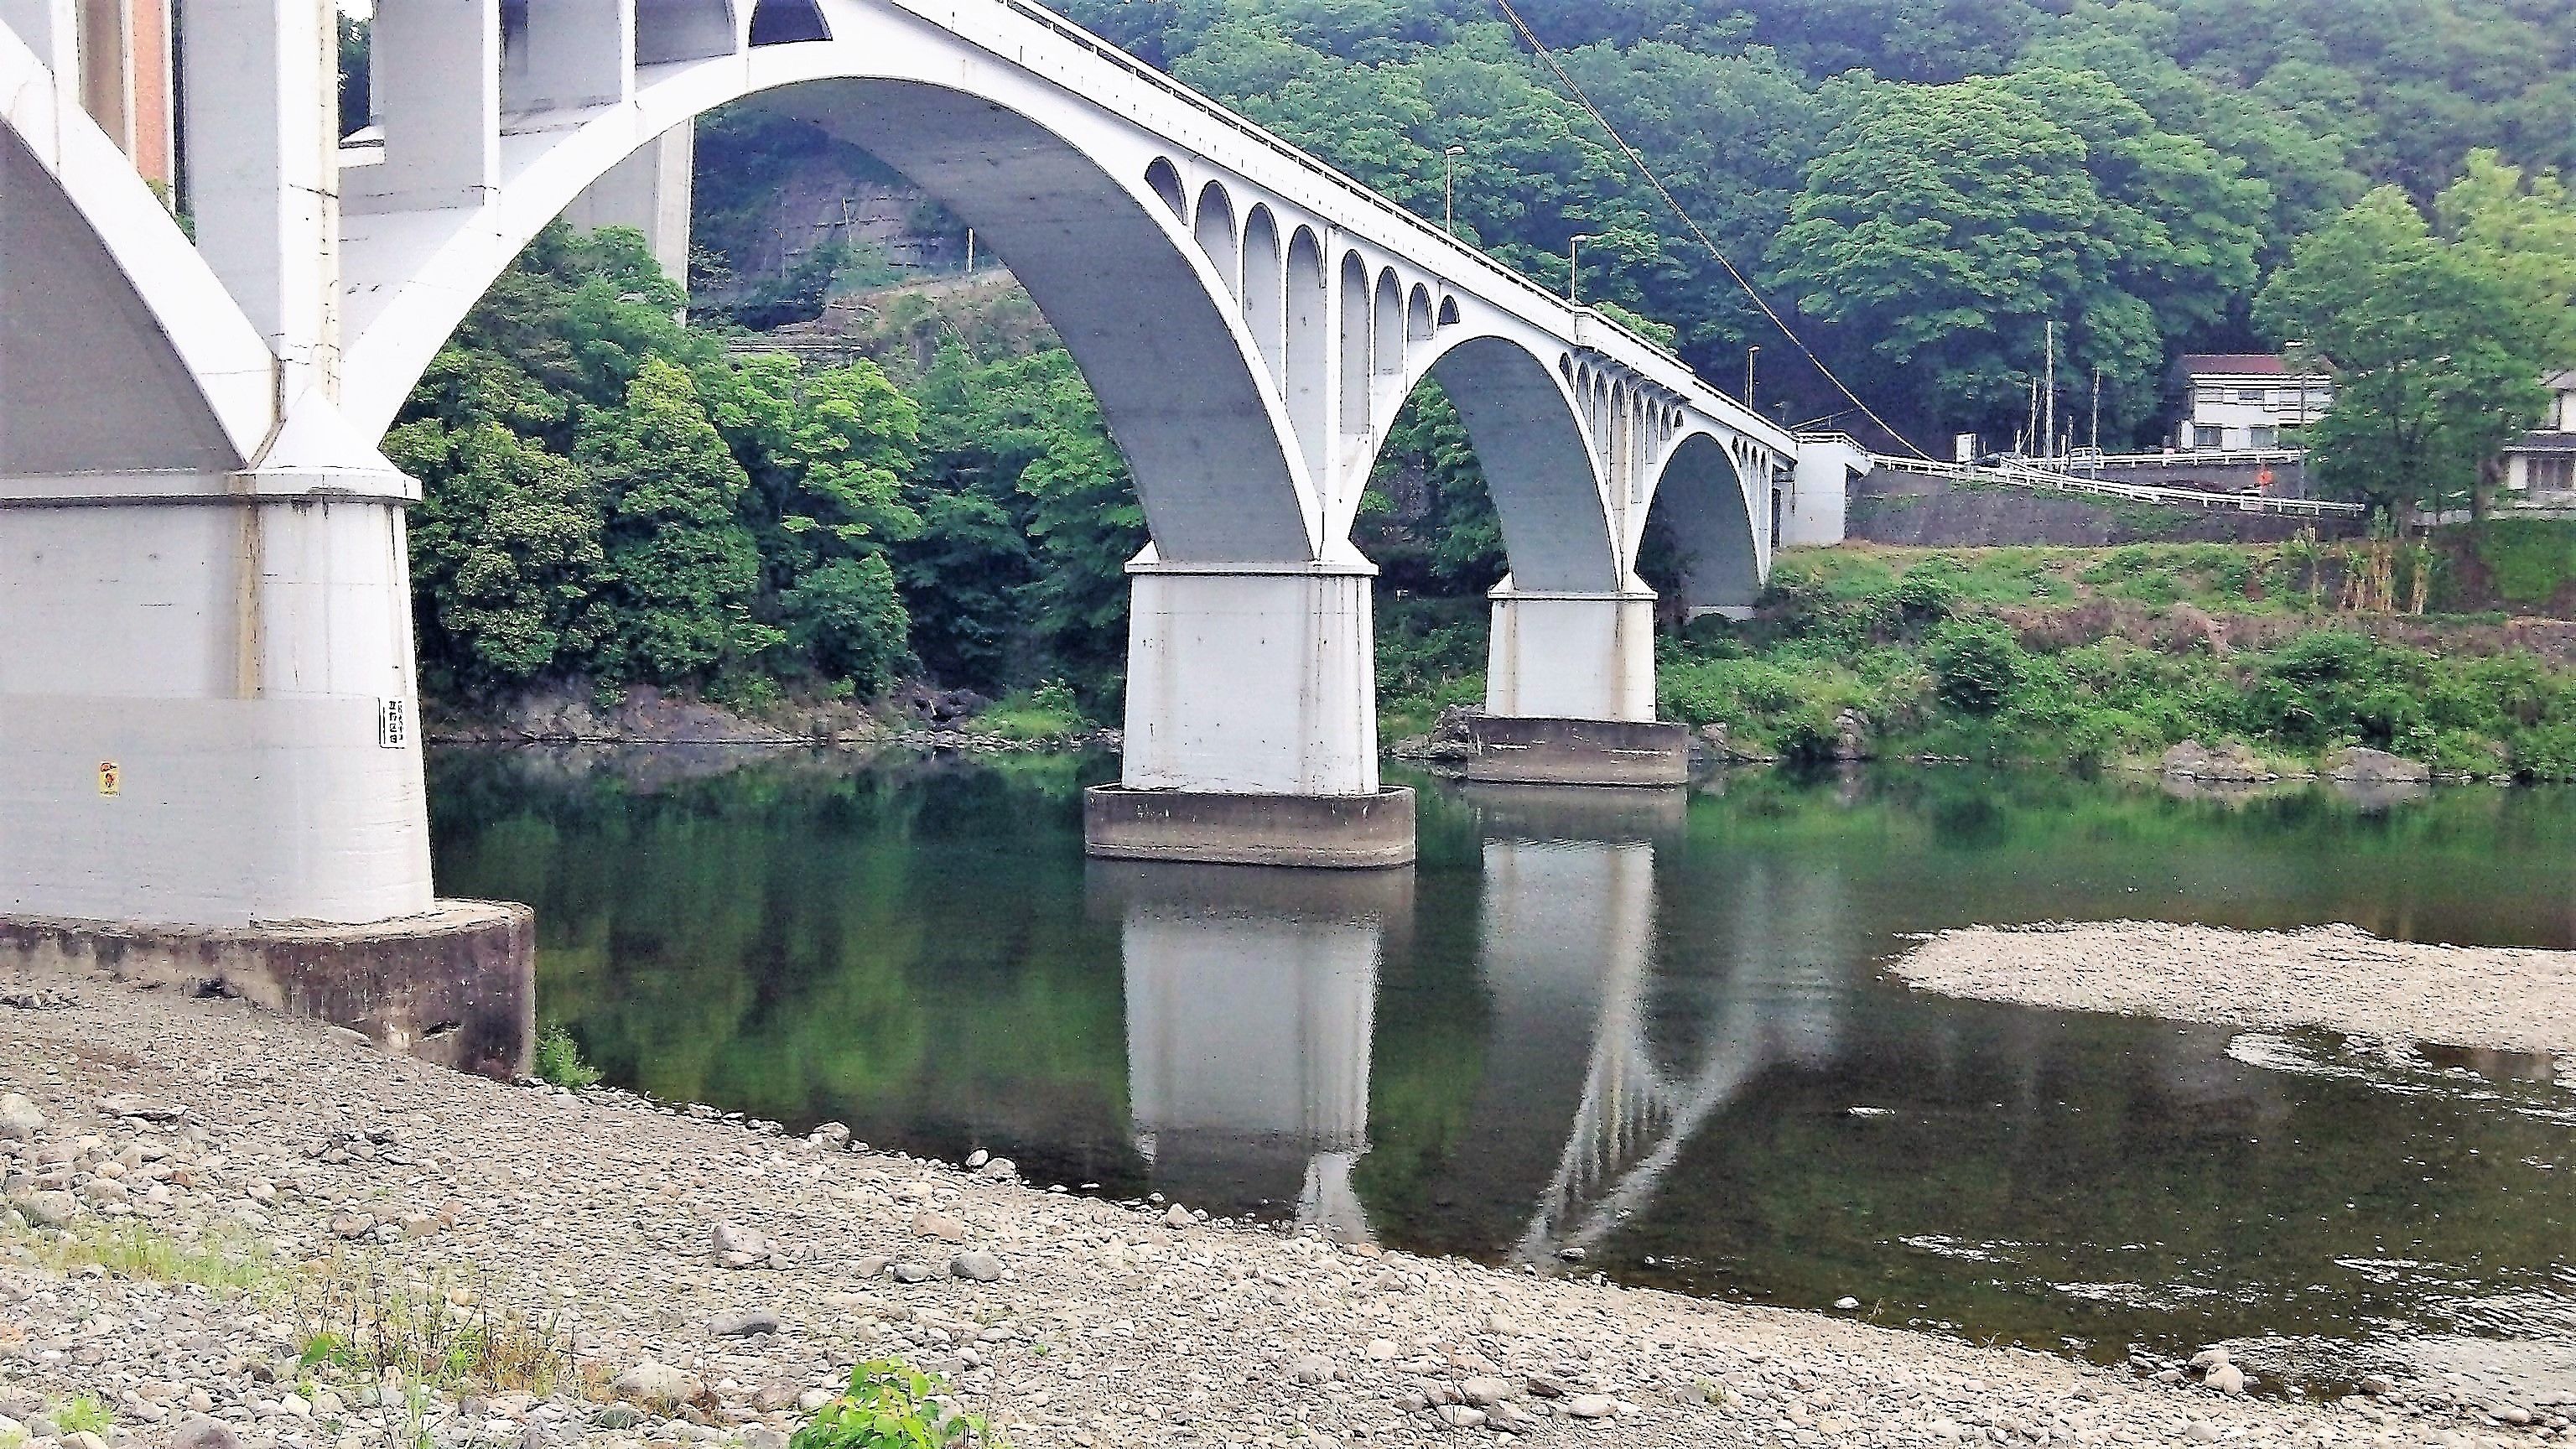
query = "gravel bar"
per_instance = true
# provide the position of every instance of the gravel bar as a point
(716, 1281)
(2338, 978)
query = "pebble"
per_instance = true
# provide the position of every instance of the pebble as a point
(19, 1119)
(976, 1267)
(939, 1225)
(658, 1384)
(203, 1434)
(745, 1323)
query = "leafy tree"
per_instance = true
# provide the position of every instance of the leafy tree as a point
(2437, 347)
(848, 617)
(506, 553)
(1948, 223)
(683, 568)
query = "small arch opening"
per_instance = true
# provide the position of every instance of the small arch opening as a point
(1448, 311)
(787, 22)
(1165, 179)
(1217, 236)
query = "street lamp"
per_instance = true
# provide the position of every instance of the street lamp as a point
(1574, 264)
(1449, 188)
(1750, 353)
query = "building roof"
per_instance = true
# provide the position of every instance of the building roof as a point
(2561, 382)
(2545, 443)
(2234, 364)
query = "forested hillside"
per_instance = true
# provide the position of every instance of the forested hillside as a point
(1930, 181)
(1923, 186)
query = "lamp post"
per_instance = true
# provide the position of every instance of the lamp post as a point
(1574, 265)
(1449, 188)
(1750, 353)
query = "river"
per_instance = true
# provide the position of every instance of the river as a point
(1636, 1034)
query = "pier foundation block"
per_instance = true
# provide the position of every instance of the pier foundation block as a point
(1346, 832)
(1640, 753)
(456, 987)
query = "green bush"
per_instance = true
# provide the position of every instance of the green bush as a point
(890, 1405)
(1976, 664)
(559, 1060)
(2546, 755)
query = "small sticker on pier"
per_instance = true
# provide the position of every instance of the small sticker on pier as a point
(111, 778)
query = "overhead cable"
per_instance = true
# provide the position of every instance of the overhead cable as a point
(1637, 159)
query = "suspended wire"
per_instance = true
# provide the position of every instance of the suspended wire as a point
(1637, 159)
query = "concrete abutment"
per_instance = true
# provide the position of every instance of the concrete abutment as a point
(455, 986)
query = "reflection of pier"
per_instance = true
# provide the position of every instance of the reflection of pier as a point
(1251, 995)
(1570, 924)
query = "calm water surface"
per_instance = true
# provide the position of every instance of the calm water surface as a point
(1650, 1027)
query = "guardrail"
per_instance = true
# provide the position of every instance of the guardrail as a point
(2016, 474)
(2193, 458)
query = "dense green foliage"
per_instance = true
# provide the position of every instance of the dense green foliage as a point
(612, 495)
(1930, 672)
(609, 494)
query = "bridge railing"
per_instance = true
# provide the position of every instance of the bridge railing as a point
(2012, 474)
(952, 14)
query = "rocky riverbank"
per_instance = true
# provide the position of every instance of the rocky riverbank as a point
(224, 1227)
(2337, 978)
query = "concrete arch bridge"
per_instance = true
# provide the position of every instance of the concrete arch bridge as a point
(207, 693)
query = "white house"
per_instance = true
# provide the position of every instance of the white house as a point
(2540, 470)
(2245, 400)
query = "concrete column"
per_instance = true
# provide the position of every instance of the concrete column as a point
(1820, 491)
(576, 53)
(1251, 1000)
(1570, 693)
(1252, 721)
(436, 80)
(262, 172)
(648, 191)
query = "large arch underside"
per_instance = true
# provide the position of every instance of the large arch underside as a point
(1538, 464)
(1180, 397)
(1703, 501)
(89, 381)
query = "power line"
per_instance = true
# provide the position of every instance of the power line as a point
(1637, 159)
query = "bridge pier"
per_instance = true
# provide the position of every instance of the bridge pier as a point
(1252, 721)
(213, 771)
(1570, 693)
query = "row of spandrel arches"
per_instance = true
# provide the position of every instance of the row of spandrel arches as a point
(1281, 284)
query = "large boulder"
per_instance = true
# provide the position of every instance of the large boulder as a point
(2191, 760)
(2374, 767)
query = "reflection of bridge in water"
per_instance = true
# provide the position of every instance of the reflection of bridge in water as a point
(1252, 1003)
(1251, 997)
(1571, 913)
